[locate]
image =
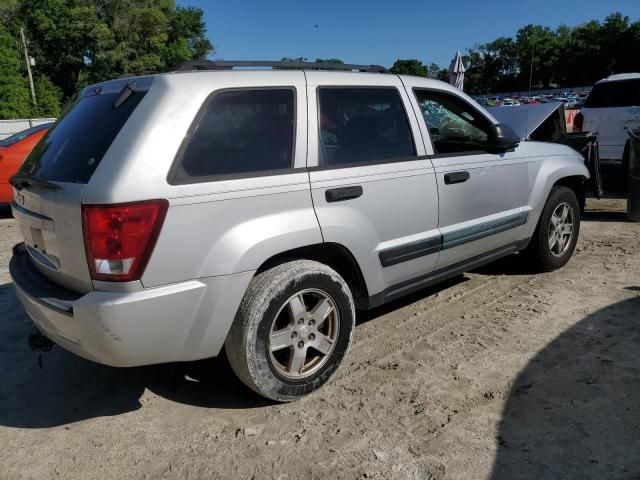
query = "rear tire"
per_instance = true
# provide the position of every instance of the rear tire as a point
(556, 235)
(292, 331)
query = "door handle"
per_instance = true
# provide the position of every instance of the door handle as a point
(342, 193)
(456, 177)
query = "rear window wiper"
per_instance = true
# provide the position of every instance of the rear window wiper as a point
(24, 180)
(125, 93)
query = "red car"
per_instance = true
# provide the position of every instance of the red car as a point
(13, 151)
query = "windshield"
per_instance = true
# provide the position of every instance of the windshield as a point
(16, 137)
(73, 148)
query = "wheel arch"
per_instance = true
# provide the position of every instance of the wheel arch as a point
(334, 255)
(577, 184)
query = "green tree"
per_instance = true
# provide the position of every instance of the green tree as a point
(61, 35)
(76, 42)
(48, 97)
(15, 100)
(84, 41)
(329, 60)
(419, 69)
(438, 73)
(138, 37)
(537, 55)
(409, 67)
(187, 38)
(567, 56)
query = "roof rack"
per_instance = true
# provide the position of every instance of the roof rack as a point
(230, 65)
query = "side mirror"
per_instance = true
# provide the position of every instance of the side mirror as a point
(502, 137)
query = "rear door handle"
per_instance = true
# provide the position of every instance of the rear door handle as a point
(342, 193)
(456, 177)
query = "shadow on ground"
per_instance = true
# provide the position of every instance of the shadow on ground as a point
(574, 411)
(364, 316)
(5, 212)
(603, 216)
(41, 390)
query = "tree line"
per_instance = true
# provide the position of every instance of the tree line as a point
(546, 58)
(78, 42)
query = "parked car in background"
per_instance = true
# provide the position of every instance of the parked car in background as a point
(256, 210)
(610, 110)
(13, 151)
(509, 102)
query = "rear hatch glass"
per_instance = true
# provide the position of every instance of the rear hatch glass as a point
(72, 150)
(621, 93)
(52, 180)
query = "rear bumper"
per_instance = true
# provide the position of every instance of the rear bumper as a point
(156, 325)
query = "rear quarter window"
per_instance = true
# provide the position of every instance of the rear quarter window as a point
(623, 93)
(238, 133)
(73, 148)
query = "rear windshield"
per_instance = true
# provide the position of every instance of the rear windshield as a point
(623, 93)
(16, 137)
(73, 148)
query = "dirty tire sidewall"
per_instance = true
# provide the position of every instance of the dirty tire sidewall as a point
(543, 256)
(247, 342)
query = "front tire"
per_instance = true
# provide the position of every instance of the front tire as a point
(292, 331)
(556, 235)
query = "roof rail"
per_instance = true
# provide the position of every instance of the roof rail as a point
(230, 65)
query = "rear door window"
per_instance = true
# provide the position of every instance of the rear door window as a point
(623, 93)
(363, 125)
(73, 148)
(239, 132)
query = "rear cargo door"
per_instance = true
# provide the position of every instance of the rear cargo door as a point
(51, 224)
(610, 110)
(48, 187)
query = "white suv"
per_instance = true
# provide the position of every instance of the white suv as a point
(612, 108)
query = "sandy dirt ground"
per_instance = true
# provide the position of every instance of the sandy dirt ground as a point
(498, 374)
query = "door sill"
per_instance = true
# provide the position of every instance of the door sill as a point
(413, 285)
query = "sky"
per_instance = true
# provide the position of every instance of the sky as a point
(381, 31)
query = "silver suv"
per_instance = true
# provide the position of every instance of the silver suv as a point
(166, 217)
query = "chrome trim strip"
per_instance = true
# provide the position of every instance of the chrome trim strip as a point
(24, 211)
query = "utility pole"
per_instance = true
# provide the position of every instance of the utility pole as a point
(28, 60)
(533, 50)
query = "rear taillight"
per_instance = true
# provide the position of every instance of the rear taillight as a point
(119, 239)
(578, 122)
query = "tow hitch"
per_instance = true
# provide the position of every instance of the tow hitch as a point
(39, 343)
